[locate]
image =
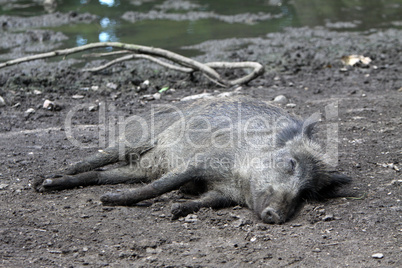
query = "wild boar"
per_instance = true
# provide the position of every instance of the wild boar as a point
(235, 151)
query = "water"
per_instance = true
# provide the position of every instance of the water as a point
(170, 34)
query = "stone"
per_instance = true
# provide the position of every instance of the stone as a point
(378, 256)
(290, 105)
(2, 102)
(281, 99)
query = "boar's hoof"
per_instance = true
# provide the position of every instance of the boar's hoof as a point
(183, 209)
(270, 215)
(37, 184)
(111, 199)
(43, 184)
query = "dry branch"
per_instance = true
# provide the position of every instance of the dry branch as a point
(187, 65)
(139, 56)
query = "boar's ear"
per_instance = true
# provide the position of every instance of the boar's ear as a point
(309, 123)
(288, 133)
(329, 184)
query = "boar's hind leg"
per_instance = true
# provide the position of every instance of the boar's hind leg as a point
(104, 157)
(170, 181)
(124, 174)
(212, 199)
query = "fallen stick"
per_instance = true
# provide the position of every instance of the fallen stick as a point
(187, 65)
(140, 56)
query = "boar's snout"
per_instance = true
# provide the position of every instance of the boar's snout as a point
(272, 216)
(277, 204)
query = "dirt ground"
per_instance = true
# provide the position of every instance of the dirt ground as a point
(72, 229)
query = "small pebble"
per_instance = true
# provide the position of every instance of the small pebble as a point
(281, 99)
(291, 105)
(147, 97)
(77, 97)
(37, 92)
(321, 211)
(157, 96)
(297, 225)
(357, 165)
(153, 250)
(51, 105)
(29, 111)
(111, 85)
(328, 217)
(378, 256)
(2, 102)
(123, 255)
(48, 104)
(3, 186)
(93, 108)
(115, 96)
(396, 182)
(143, 86)
(191, 218)
(55, 251)
(238, 223)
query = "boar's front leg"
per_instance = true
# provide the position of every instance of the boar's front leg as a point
(170, 181)
(212, 199)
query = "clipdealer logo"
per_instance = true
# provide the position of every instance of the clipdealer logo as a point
(113, 130)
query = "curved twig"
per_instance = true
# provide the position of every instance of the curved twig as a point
(105, 54)
(140, 56)
(258, 70)
(143, 52)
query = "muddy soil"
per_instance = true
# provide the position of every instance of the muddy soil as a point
(72, 229)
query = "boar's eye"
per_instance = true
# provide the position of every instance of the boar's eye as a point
(292, 163)
(288, 165)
